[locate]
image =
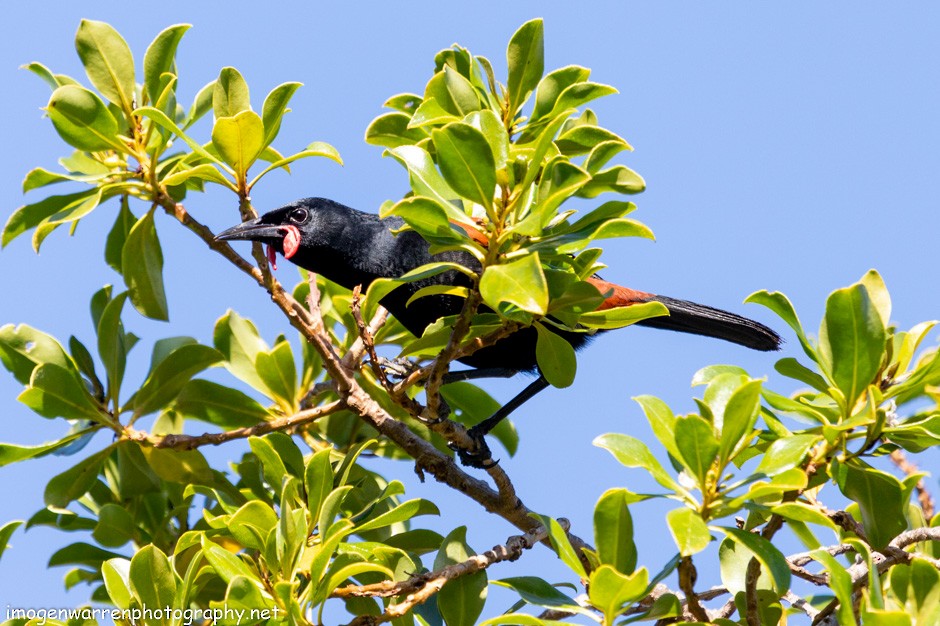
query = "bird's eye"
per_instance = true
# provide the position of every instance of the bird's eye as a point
(298, 215)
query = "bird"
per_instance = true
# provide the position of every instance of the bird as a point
(353, 248)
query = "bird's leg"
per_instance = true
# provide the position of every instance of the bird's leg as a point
(398, 368)
(480, 456)
(474, 374)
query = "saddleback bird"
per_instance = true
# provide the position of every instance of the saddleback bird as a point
(354, 248)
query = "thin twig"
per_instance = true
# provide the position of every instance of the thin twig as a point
(191, 442)
(422, 587)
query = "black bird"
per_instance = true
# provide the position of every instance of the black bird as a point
(354, 248)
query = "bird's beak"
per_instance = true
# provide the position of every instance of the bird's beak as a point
(253, 230)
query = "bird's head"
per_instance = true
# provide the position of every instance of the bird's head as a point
(283, 230)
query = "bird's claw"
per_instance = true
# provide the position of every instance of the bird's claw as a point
(479, 456)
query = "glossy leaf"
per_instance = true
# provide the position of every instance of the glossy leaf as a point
(83, 120)
(400, 513)
(879, 495)
(781, 305)
(632, 452)
(274, 108)
(466, 161)
(166, 381)
(551, 86)
(239, 140)
(117, 236)
(555, 357)
(179, 466)
(613, 531)
(279, 373)
(697, 445)
(230, 94)
(786, 453)
(525, 58)
(540, 593)
(237, 339)
(611, 591)
(770, 558)
(392, 130)
(74, 482)
(461, 600)
(425, 179)
(55, 391)
(108, 61)
(23, 348)
(562, 545)
(116, 575)
(142, 261)
(112, 343)
(739, 417)
(6, 531)
(688, 530)
(520, 282)
(617, 179)
(618, 317)
(222, 406)
(160, 58)
(205, 172)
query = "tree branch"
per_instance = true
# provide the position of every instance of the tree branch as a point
(422, 587)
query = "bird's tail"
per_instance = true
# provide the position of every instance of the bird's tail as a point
(698, 319)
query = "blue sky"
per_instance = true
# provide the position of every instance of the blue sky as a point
(785, 147)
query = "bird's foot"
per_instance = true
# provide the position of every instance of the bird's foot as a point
(400, 368)
(478, 456)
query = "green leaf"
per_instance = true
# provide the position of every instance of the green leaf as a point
(610, 590)
(315, 149)
(230, 94)
(160, 58)
(279, 373)
(560, 180)
(167, 380)
(391, 130)
(551, 86)
(424, 177)
(116, 575)
(851, 340)
(160, 118)
(239, 140)
(227, 565)
(525, 58)
(222, 406)
(840, 581)
(403, 103)
(32, 215)
(917, 586)
(495, 132)
(400, 513)
(5, 532)
(583, 138)
(738, 418)
(179, 466)
(274, 108)
(206, 171)
(880, 497)
(613, 531)
(112, 343)
(562, 544)
(604, 152)
(108, 61)
(55, 391)
(540, 593)
(252, 523)
(781, 305)
(632, 452)
(577, 94)
(23, 348)
(429, 113)
(427, 217)
(555, 357)
(10, 453)
(461, 600)
(117, 236)
(115, 526)
(466, 161)
(237, 339)
(318, 481)
(617, 179)
(698, 448)
(461, 93)
(74, 482)
(688, 530)
(520, 282)
(83, 120)
(142, 261)
(792, 368)
(621, 316)
(878, 292)
(786, 453)
(770, 558)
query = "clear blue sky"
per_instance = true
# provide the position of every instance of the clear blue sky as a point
(785, 146)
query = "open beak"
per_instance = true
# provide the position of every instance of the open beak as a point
(253, 230)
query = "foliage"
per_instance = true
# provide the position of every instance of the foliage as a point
(291, 530)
